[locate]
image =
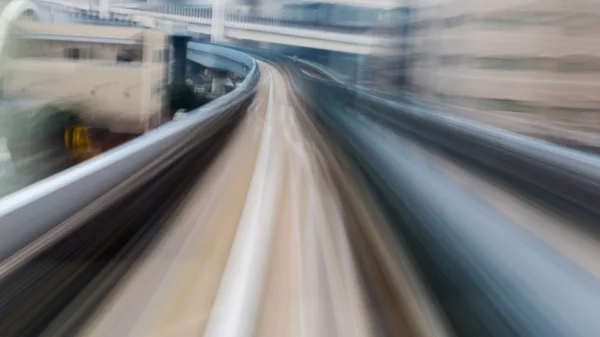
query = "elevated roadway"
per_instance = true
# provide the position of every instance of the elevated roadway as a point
(205, 55)
(243, 27)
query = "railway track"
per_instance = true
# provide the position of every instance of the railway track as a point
(249, 252)
(271, 238)
(263, 243)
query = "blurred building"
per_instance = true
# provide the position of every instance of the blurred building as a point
(343, 14)
(118, 72)
(374, 18)
(512, 55)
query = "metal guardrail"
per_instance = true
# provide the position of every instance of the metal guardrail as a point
(36, 209)
(490, 277)
(84, 227)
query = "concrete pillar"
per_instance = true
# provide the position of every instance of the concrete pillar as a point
(218, 83)
(179, 45)
(217, 26)
(104, 8)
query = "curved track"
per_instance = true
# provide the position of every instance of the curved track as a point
(260, 247)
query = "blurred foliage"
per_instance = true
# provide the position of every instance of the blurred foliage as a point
(44, 126)
(181, 95)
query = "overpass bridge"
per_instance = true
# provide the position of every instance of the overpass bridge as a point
(239, 26)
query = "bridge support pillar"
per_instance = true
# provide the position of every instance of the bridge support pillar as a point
(104, 8)
(219, 79)
(217, 27)
(218, 85)
(179, 64)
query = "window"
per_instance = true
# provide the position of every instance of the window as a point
(492, 63)
(495, 22)
(567, 110)
(513, 19)
(504, 105)
(578, 64)
(510, 63)
(129, 55)
(72, 53)
(159, 89)
(161, 55)
(124, 57)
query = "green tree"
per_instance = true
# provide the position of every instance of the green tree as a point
(182, 96)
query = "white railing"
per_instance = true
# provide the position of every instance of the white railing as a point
(192, 15)
(234, 23)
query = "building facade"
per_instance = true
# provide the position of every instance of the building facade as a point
(118, 72)
(511, 55)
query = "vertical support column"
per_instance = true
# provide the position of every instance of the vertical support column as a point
(217, 25)
(147, 85)
(104, 9)
(179, 45)
(218, 85)
(219, 78)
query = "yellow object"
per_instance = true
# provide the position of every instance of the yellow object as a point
(77, 139)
